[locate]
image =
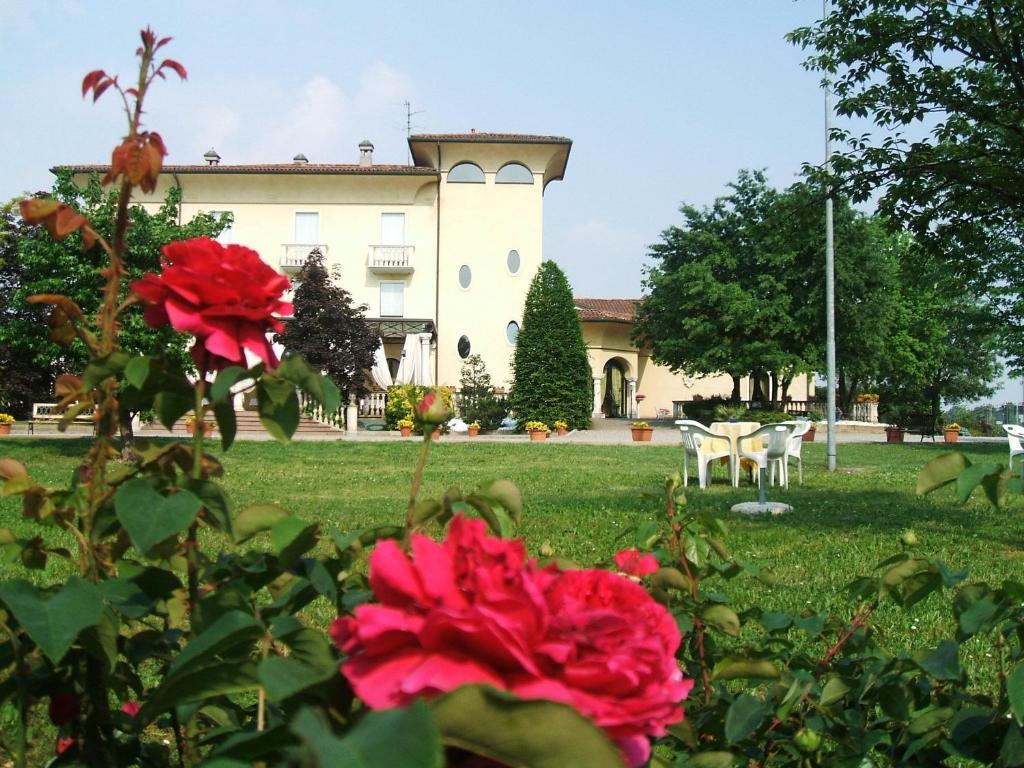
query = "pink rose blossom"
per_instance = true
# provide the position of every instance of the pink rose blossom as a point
(225, 296)
(131, 708)
(473, 610)
(630, 561)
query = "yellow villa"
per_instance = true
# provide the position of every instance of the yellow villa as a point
(441, 251)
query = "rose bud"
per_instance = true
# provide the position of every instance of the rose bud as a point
(432, 409)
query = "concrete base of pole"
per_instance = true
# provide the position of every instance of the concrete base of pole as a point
(762, 508)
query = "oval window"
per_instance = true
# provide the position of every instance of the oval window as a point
(512, 332)
(464, 347)
(465, 276)
(513, 261)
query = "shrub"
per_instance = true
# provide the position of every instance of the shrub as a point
(552, 377)
(477, 401)
(401, 404)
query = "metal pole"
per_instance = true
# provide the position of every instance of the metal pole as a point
(830, 281)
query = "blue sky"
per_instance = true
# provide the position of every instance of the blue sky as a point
(664, 101)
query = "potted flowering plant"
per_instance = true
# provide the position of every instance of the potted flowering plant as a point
(190, 426)
(538, 430)
(5, 423)
(951, 433)
(562, 427)
(473, 429)
(405, 427)
(642, 431)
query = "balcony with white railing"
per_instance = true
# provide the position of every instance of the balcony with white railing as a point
(390, 259)
(294, 255)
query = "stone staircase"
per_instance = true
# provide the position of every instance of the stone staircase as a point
(248, 425)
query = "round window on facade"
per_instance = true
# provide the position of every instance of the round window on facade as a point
(464, 347)
(512, 332)
(513, 261)
(465, 276)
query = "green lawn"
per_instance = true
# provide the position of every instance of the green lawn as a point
(582, 498)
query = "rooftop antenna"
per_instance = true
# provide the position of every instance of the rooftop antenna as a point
(408, 124)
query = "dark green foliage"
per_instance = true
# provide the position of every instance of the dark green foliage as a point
(329, 331)
(551, 374)
(477, 401)
(942, 82)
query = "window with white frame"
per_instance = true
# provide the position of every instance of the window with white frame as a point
(392, 299)
(307, 228)
(392, 229)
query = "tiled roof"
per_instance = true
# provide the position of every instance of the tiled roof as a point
(483, 137)
(326, 169)
(607, 310)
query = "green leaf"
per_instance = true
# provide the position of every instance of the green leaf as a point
(1015, 692)
(835, 689)
(150, 517)
(973, 476)
(291, 538)
(723, 618)
(137, 371)
(383, 739)
(929, 719)
(995, 488)
(215, 502)
(735, 667)
(232, 629)
(940, 471)
(220, 390)
(1012, 751)
(257, 519)
(101, 640)
(204, 682)
(284, 677)
(53, 622)
(944, 662)
(665, 578)
(715, 759)
(507, 494)
(296, 370)
(744, 716)
(100, 369)
(173, 401)
(278, 407)
(227, 422)
(538, 734)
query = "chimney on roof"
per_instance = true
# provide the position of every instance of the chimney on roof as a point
(211, 157)
(366, 152)
(300, 159)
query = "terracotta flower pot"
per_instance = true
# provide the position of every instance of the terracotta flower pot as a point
(951, 435)
(642, 434)
(538, 435)
(894, 434)
(562, 431)
(436, 435)
(808, 436)
(5, 429)
(207, 429)
(405, 431)
(473, 431)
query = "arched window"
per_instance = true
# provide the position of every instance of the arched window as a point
(466, 173)
(514, 173)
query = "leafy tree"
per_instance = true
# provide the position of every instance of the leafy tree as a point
(477, 401)
(944, 84)
(718, 300)
(33, 263)
(329, 331)
(551, 373)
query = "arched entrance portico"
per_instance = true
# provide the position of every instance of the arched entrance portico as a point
(615, 389)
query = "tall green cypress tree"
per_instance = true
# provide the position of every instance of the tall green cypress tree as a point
(551, 373)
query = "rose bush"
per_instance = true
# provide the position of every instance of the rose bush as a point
(225, 296)
(473, 609)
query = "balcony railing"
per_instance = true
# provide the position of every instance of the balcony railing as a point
(294, 255)
(394, 259)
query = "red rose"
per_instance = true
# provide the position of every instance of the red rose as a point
(632, 562)
(473, 610)
(225, 296)
(64, 707)
(63, 745)
(131, 708)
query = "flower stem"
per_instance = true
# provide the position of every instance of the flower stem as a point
(417, 479)
(192, 538)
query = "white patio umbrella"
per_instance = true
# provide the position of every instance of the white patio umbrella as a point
(380, 372)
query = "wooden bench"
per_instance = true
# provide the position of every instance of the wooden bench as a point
(47, 413)
(923, 425)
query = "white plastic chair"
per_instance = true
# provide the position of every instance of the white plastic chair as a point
(796, 440)
(1015, 437)
(776, 446)
(694, 435)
